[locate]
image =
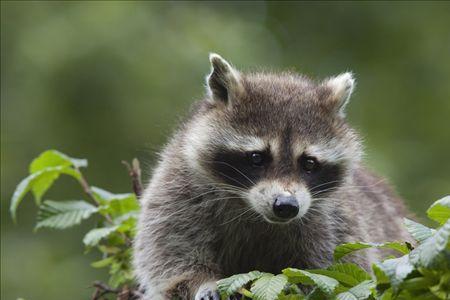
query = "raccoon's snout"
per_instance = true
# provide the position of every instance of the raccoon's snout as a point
(286, 207)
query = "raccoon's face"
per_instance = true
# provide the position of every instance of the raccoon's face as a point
(280, 141)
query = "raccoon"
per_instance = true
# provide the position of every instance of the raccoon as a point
(265, 174)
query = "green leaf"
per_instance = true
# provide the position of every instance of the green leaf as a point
(395, 269)
(324, 283)
(360, 292)
(291, 297)
(427, 254)
(115, 204)
(43, 183)
(348, 274)
(229, 286)
(39, 182)
(119, 278)
(61, 215)
(442, 290)
(48, 177)
(53, 158)
(21, 190)
(103, 263)
(417, 283)
(317, 294)
(345, 249)
(440, 210)
(418, 231)
(93, 237)
(268, 287)
(104, 196)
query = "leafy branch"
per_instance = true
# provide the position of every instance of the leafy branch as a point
(116, 216)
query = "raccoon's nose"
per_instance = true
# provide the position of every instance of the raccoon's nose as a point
(285, 207)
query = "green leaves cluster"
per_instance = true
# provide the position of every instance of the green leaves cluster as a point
(115, 214)
(421, 272)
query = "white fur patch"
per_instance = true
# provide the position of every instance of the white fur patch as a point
(330, 152)
(262, 196)
(211, 285)
(342, 87)
(244, 143)
(197, 138)
(227, 75)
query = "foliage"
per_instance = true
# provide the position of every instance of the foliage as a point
(116, 214)
(421, 272)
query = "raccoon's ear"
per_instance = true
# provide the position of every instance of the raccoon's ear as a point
(224, 82)
(340, 89)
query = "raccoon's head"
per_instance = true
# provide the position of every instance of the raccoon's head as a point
(280, 140)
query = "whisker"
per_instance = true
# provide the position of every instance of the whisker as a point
(240, 172)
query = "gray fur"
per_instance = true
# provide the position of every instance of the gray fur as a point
(194, 229)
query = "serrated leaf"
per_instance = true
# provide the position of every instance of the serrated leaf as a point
(53, 158)
(395, 269)
(229, 286)
(103, 196)
(21, 190)
(427, 253)
(34, 182)
(64, 214)
(440, 210)
(48, 176)
(268, 287)
(360, 292)
(348, 274)
(418, 231)
(347, 248)
(93, 237)
(324, 283)
(115, 205)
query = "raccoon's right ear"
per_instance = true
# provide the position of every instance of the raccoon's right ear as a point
(224, 82)
(340, 89)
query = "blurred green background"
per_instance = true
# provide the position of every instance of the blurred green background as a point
(109, 81)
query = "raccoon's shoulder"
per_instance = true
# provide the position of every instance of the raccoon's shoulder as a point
(378, 191)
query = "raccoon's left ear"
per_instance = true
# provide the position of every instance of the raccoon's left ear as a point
(340, 88)
(224, 82)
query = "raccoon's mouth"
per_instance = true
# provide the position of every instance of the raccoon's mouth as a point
(275, 220)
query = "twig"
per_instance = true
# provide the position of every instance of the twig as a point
(124, 293)
(102, 289)
(86, 187)
(96, 295)
(134, 170)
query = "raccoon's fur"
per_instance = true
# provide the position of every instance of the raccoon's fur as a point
(210, 208)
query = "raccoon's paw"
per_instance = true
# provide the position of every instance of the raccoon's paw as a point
(207, 294)
(207, 291)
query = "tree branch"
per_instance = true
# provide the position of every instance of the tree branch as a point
(134, 170)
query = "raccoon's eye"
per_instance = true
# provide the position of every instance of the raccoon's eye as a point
(308, 163)
(256, 158)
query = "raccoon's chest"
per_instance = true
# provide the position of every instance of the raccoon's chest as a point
(270, 248)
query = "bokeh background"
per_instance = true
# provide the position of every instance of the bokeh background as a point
(109, 80)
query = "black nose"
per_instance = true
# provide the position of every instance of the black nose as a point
(285, 207)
